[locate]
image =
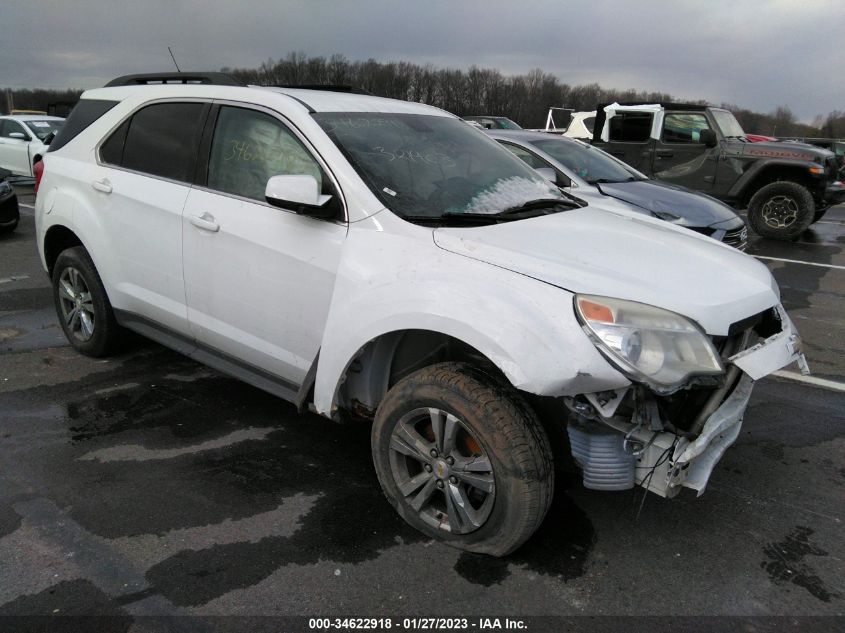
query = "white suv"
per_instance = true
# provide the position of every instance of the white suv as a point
(379, 259)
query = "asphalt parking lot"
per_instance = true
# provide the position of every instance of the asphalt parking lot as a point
(147, 485)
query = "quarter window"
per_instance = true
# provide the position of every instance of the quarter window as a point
(249, 147)
(161, 140)
(684, 128)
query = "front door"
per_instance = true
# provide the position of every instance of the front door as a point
(680, 157)
(258, 279)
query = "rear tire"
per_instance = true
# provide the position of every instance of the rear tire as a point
(83, 308)
(463, 459)
(781, 210)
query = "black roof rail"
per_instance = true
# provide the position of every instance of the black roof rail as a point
(217, 79)
(327, 87)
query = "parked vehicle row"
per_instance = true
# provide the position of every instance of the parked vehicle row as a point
(378, 259)
(22, 141)
(598, 178)
(785, 187)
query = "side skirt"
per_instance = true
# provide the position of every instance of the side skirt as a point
(210, 356)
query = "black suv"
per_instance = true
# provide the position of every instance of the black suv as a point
(785, 186)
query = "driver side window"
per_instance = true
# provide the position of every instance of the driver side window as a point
(527, 157)
(249, 147)
(9, 126)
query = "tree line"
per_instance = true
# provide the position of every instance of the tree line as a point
(525, 98)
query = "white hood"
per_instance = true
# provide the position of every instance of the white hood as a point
(600, 252)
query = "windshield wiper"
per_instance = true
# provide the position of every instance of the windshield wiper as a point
(613, 181)
(541, 203)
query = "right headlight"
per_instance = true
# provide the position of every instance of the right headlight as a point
(650, 345)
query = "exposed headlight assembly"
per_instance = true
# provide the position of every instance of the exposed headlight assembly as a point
(650, 345)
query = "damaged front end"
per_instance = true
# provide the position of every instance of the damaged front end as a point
(668, 437)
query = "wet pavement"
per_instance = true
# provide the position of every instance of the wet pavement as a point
(147, 484)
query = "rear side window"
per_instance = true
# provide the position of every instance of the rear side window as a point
(161, 140)
(631, 127)
(84, 114)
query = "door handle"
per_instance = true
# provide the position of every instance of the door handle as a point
(616, 153)
(205, 222)
(102, 185)
(664, 153)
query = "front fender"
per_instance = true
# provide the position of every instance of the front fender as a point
(740, 187)
(391, 282)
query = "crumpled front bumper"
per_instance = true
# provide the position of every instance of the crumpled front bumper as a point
(667, 462)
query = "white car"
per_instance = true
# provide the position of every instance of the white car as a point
(22, 139)
(361, 255)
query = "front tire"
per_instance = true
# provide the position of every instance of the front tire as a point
(83, 308)
(463, 459)
(781, 210)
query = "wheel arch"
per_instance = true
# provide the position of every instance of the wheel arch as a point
(755, 179)
(390, 356)
(57, 239)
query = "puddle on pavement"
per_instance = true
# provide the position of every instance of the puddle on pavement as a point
(786, 563)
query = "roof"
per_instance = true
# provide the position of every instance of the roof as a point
(527, 136)
(313, 100)
(31, 117)
(328, 101)
(665, 105)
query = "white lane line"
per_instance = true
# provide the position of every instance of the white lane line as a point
(798, 261)
(811, 380)
(28, 206)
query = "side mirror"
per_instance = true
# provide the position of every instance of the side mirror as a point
(19, 135)
(708, 137)
(297, 193)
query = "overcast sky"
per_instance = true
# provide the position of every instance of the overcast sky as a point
(755, 53)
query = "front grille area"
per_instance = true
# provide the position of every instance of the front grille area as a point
(738, 238)
(831, 168)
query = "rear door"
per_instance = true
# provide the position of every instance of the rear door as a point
(14, 152)
(258, 279)
(629, 133)
(139, 188)
(679, 155)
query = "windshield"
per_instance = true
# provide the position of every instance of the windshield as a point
(429, 166)
(42, 129)
(586, 161)
(506, 124)
(728, 124)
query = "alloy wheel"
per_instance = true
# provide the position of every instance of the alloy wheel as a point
(76, 304)
(780, 212)
(442, 471)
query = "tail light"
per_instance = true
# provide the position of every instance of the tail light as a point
(38, 169)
